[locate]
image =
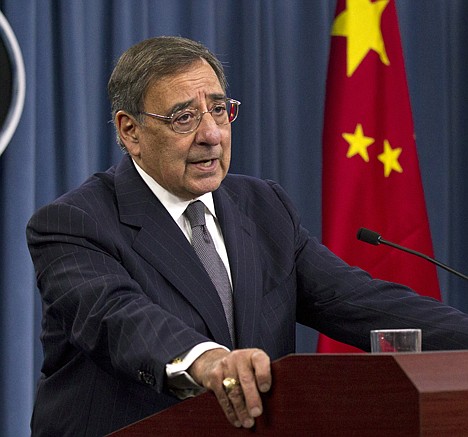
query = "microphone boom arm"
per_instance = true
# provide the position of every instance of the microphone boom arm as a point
(421, 255)
(375, 239)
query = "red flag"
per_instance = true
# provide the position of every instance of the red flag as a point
(370, 165)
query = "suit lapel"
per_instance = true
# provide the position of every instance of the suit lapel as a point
(163, 245)
(239, 233)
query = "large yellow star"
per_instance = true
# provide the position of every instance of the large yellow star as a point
(360, 24)
(358, 143)
(389, 158)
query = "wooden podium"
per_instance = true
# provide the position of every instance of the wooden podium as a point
(424, 394)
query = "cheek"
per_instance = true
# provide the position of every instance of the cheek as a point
(227, 154)
(170, 163)
(164, 151)
(162, 158)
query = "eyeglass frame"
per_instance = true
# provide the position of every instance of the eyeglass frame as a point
(170, 118)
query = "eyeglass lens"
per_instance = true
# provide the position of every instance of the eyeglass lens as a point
(189, 119)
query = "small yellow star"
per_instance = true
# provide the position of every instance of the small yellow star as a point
(389, 158)
(360, 24)
(358, 143)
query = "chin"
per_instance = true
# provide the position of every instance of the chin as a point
(207, 187)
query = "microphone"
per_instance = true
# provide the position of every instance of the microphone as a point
(374, 238)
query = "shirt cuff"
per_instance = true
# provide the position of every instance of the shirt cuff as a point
(179, 380)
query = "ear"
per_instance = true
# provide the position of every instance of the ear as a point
(128, 129)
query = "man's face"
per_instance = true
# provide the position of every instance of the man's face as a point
(187, 165)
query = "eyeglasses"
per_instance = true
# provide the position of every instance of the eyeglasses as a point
(188, 120)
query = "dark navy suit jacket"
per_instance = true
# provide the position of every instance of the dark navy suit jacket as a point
(124, 293)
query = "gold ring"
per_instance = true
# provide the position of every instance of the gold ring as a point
(229, 384)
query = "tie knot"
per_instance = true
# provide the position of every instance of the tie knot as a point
(195, 213)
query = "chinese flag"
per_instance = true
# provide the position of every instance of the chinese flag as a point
(370, 166)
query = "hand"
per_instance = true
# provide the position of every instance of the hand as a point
(251, 367)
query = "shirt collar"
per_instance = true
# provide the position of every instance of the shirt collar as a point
(175, 206)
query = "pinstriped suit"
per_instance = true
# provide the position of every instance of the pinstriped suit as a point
(124, 293)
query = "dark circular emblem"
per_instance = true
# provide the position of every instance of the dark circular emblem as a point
(12, 83)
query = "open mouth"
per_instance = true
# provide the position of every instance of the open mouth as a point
(206, 163)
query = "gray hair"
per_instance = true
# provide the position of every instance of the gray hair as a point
(149, 61)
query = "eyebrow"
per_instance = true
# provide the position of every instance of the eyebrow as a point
(183, 105)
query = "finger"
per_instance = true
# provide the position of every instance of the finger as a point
(227, 407)
(215, 383)
(262, 368)
(251, 399)
(246, 399)
(238, 365)
(254, 374)
(238, 402)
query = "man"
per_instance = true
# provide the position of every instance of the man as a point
(134, 318)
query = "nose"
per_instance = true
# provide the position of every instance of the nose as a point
(208, 132)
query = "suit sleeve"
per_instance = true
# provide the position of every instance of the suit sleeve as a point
(89, 296)
(346, 303)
